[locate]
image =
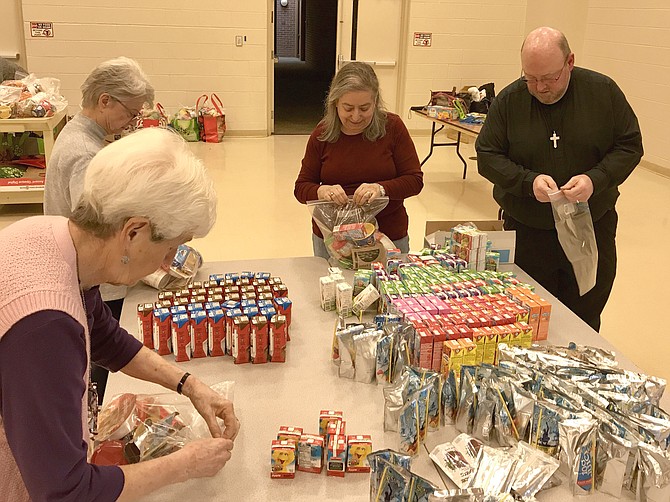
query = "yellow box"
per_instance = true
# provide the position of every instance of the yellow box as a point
(469, 351)
(490, 346)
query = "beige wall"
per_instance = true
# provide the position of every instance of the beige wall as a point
(631, 43)
(186, 48)
(473, 43)
(189, 48)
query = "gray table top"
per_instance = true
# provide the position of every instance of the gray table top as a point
(268, 396)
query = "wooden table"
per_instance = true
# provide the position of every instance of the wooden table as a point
(471, 130)
(31, 190)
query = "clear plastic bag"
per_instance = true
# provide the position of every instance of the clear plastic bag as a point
(185, 265)
(349, 229)
(577, 237)
(137, 427)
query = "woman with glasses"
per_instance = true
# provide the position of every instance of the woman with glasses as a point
(112, 97)
(559, 127)
(53, 323)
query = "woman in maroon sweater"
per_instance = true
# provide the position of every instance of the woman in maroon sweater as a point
(360, 150)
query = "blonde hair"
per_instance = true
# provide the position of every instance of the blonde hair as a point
(151, 173)
(353, 77)
(122, 78)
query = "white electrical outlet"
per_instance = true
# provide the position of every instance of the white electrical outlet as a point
(239, 40)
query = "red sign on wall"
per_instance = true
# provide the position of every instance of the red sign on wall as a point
(41, 29)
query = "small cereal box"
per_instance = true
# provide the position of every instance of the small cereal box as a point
(284, 308)
(282, 462)
(259, 340)
(145, 324)
(161, 332)
(216, 332)
(198, 329)
(310, 453)
(336, 456)
(358, 449)
(181, 337)
(325, 417)
(278, 339)
(231, 315)
(241, 339)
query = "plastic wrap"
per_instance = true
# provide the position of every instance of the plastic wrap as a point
(348, 227)
(134, 428)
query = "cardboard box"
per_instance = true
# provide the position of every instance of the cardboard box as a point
(502, 241)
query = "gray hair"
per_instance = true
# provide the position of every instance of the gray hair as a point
(121, 78)
(354, 76)
(153, 174)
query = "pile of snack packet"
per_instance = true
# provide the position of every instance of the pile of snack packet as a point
(305, 452)
(245, 315)
(135, 427)
(391, 477)
(546, 406)
(31, 97)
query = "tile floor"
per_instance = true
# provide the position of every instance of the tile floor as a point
(259, 217)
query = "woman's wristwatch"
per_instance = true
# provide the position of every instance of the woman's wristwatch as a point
(382, 192)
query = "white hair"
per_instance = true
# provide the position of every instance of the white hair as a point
(151, 173)
(122, 78)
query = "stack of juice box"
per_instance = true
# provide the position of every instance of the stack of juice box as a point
(469, 244)
(245, 315)
(294, 450)
(460, 316)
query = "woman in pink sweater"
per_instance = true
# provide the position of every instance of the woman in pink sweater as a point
(53, 323)
(360, 150)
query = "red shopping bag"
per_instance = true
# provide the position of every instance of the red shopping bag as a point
(152, 117)
(212, 119)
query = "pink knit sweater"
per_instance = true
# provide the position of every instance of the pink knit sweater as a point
(38, 271)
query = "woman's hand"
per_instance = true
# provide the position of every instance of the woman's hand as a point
(211, 405)
(366, 193)
(206, 457)
(333, 193)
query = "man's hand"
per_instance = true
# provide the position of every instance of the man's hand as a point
(543, 185)
(578, 189)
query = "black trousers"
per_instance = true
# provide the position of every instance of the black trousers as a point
(539, 253)
(98, 373)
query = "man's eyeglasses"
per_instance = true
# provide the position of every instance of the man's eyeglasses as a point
(545, 80)
(133, 115)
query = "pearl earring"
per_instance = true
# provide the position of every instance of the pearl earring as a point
(125, 260)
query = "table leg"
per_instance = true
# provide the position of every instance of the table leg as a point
(433, 132)
(458, 152)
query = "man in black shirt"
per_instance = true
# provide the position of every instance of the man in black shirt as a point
(559, 127)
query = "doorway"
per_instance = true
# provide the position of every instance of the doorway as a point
(305, 33)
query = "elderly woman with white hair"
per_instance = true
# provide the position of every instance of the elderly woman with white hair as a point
(112, 97)
(53, 323)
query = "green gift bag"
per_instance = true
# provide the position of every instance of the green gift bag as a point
(185, 122)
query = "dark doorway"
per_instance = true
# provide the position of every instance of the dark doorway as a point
(305, 39)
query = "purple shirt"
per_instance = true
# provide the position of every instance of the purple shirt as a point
(42, 367)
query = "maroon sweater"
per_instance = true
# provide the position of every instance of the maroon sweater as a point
(390, 161)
